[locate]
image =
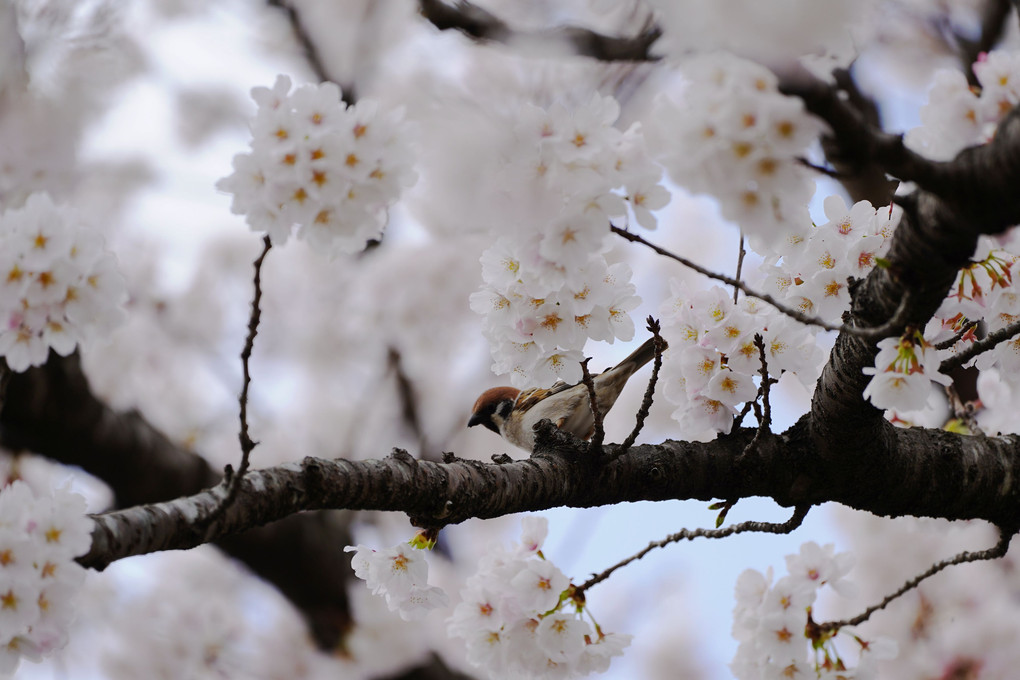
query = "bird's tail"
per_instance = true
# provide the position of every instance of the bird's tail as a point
(641, 356)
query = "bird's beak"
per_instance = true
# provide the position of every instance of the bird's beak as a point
(476, 419)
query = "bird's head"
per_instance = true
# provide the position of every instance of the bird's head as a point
(493, 407)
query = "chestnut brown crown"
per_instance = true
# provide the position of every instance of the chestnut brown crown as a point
(493, 407)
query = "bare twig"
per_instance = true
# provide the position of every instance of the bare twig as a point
(799, 513)
(740, 266)
(983, 345)
(875, 333)
(646, 403)
(599, 435)
(230, 478)
(995, 552)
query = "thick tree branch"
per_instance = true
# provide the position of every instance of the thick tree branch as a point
(52, 411)
(957, 201)
(917, 472)
(979, 183)
(862, 180)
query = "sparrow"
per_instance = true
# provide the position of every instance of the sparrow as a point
(512, 414)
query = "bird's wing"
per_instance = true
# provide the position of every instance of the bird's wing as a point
(528, 398)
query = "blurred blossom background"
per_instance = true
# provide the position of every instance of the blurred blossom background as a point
(137, 110)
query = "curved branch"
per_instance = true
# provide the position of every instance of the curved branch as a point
(799, 513)
(995, 552)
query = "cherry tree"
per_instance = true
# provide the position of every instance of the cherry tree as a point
(421, 200)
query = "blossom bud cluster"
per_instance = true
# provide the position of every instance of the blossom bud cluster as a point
(58, 285)
(957, 115)
(330, 169)
(518, 620)
(985, 290)
(400, 574)
(735, 137)
(547, 286)
(40, 535)
(904, 370)
(774, 626)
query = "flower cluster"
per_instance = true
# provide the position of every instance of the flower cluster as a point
(519, 621)
(736, 138)
(547, 286)
(400, 574)
(58, 285)
(713, 339)
(315, 163)
(812, 275)
(957, 116)
(39, 538)
(906, 367)
(904, 370)
(714, 357)
(778, 637)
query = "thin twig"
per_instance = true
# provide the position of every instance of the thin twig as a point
(312, 54)
(828, 172)
(968, 327)
(646, 403)
(230, 478)
(799, 513)
(739, 418)
(995, 552)
(740, 266)
(765, 417)
(599, 435)
(989, 341)
(875, 333)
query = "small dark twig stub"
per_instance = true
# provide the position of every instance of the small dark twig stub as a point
(646, 403)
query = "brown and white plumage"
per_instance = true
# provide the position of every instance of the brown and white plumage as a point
(513, 414)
